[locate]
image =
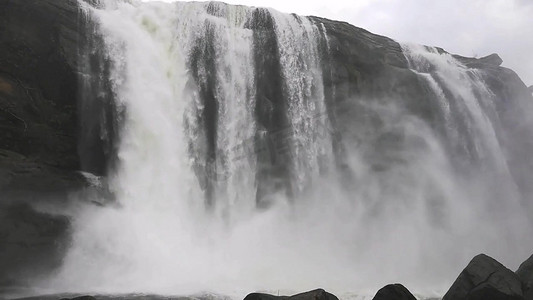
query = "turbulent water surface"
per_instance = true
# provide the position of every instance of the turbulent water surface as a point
(209, 196)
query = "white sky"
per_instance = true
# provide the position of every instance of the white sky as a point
(465, 27)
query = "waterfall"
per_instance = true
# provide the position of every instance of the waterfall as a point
(225, 177)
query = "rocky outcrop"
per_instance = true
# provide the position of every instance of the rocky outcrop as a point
(318, 294)
(525, 273)
(485, 278)
(394, 292)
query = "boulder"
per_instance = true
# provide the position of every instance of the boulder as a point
(525, 273)
(318, 294)
(485, 278)
(263, 296)
(394, 292)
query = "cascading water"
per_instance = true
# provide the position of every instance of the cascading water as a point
(299, 59)
(199, 207)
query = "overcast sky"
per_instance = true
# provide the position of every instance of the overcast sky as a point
(465, 27)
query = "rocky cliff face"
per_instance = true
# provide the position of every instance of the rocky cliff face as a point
(48, 133)
(38, 92)
(38, 130)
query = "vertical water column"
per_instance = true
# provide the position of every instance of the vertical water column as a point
(221, 123)
(157, 193)
(303, 89)
(149, 77)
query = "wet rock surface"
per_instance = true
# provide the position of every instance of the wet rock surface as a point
(38, 80)
(485, 278)
(394, 292)
(38, 132)
(32, 242)
(318, 294)
(525, 273)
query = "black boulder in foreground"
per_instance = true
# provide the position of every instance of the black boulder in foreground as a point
(485, 278)
(318, 294)
(394, 292)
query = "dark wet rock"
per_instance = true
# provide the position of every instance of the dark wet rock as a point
(39, 132)
(394, 292)
(262, 296)
(80, 298)
(125, 297)
(485, 278)
(27, 179)
(31, 242)
(38, 91)
(318, 294)
(40, 43)
(525, 273)
(38, 81)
